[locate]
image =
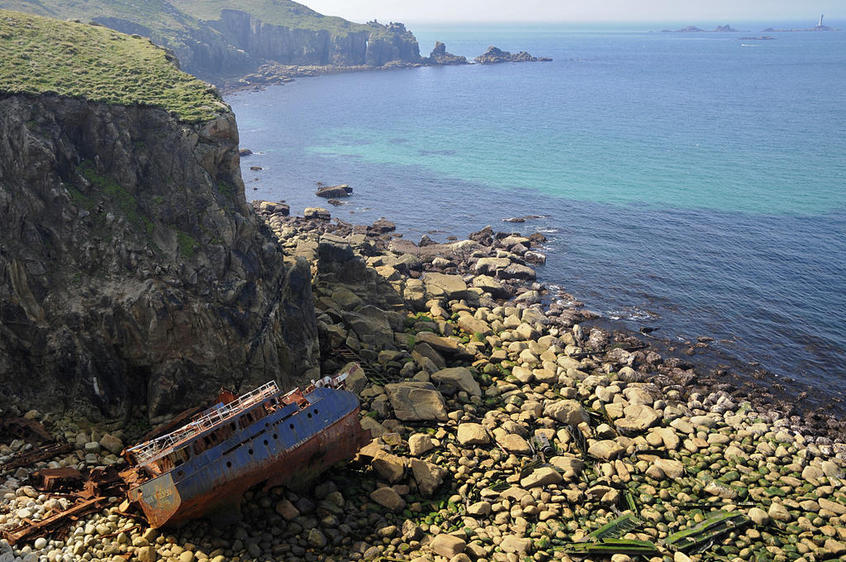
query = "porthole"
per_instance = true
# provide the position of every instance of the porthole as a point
(309, 415)
(228, 464)
(292, 426)
(315, 411)
(250, 451)
(265, 441)
(275, 436)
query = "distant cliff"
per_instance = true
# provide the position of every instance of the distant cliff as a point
(132, 271)
(223, 39)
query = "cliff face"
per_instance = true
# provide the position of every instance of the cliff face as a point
(132, 272)
(201, 50)
(290, 46)
(284, 45)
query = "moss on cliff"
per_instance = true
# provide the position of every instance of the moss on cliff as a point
(284, 13)
(42, 55)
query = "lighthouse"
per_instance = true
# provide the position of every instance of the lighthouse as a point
(821, 18)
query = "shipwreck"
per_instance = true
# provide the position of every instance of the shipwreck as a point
(265, 436)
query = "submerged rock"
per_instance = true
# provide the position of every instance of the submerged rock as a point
(334, 191)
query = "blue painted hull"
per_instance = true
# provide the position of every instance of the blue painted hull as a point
(286, 444)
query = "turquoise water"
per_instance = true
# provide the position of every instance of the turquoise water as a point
(693, 182)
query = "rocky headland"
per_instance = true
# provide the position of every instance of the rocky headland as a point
(222, 41)
(494, 55)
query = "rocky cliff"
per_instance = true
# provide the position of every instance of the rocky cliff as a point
(132, 271)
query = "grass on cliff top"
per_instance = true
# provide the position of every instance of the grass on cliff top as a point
(41, 55)
(284, 13)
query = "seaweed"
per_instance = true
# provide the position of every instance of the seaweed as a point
(716, 523)
(617, 528)
(611, 546)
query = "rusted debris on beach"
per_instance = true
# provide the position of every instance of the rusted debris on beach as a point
(25, 429)
(99, 488)
(56, 525)
(57, 479)
(37, 454)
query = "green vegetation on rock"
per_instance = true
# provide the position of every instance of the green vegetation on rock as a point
(283, 13)
(220, 40)
(43, 55)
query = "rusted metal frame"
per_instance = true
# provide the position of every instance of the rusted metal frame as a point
(35, 455)
(30, 529)
(158, 447)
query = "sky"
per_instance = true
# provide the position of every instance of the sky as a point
(687, 11)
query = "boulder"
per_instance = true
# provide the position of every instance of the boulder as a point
(671, 468)
(449, 287)
(427, 475)
(517, 271)
(517, 545)
(111, 443)
(570, 412)
(479, 509)
(571, 466)
(542, 476)
(490, 266)
(416, 401)
(446, 346)
(317, 213)
(470, 434)
(389, 467)
(636, 418)
(605, 449)
(453, 379)
(447, 545)
(356, 378)
(424, 355)
(473, 325)
(513, 443)
(420, 443)
(287, 510)
(491, 286)
(334, 191)
(372, 326)
(272, 208)
(388, 497)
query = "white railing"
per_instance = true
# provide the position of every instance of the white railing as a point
(155, 448)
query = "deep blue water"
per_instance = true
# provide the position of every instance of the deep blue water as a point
(692, 182)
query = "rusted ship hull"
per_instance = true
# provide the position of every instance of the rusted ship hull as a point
(307, 461)
(281, 440)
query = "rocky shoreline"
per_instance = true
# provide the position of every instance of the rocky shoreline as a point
(505, 428)
(273, 73)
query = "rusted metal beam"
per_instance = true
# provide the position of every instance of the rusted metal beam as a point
(30, 530)
(35, 455)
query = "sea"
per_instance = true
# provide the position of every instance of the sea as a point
(694, 183)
